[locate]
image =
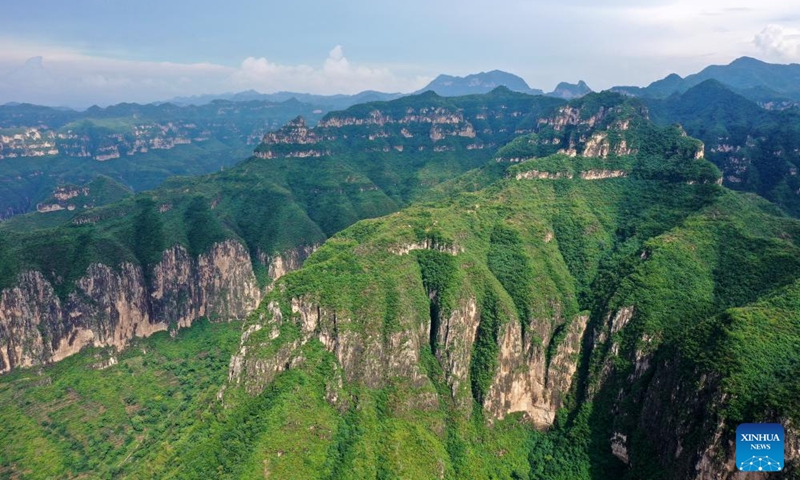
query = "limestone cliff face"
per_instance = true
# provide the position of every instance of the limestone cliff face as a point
(587, 134)
(297, 140)
(363, 356)
(279, 265)
(111, 306)
(408, 126)
(587, 175)
(456, 336)
(669, 427)
(672, 406)
(525, 382)
(575, 131)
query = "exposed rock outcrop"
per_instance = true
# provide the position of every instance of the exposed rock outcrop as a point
(525, 382)
(280, 264)
(587, 175)
(363, 353)
(456, 336)
(111, 306)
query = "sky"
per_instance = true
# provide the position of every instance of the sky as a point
(86, 52)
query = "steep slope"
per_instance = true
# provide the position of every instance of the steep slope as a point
(209, 246)
(588, 314)
(417, 328)
(756, 149)
(430, 320)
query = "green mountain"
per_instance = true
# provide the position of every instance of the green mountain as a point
(773, 85)
(756, 149)
(209, 246)
(586, 302)
(43, 149)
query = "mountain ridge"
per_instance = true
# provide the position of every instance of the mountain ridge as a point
(448, 287)
(755, 79)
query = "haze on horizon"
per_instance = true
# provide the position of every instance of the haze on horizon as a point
(103, 52)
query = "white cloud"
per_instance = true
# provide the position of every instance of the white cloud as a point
(779, 42)
(336, 75)
(59, 76)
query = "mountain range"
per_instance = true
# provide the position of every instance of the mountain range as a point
(772, 85)
(444, 85)
(489, 285)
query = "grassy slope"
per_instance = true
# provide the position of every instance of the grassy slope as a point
(292, 432)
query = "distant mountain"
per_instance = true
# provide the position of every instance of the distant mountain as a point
(766, 83)
(568, 91)
(139, 146)
(484, 82)
(444, 85)
(326, 102)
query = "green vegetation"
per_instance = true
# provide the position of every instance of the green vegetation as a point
(220, 134)
(72, 419)
(691, 290)
(269, 205)
(757, 149)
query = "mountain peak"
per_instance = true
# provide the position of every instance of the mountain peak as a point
(755, 79)
(483, 82)
(747, 61)
(568, 91)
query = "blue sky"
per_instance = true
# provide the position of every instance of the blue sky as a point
(84, 52)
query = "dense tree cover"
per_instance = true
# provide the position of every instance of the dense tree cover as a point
(270, 205)
(758, 150)
(72, 419)
(703, 267)
(220, 132)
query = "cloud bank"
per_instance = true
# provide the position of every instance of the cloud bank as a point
(66, 77)
(779, 42)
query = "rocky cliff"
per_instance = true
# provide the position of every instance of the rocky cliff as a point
(555, 300)
(110, 306)
(106, 134)
(525, 381)
(424, 123)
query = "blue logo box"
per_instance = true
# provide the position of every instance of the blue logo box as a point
(759, 447)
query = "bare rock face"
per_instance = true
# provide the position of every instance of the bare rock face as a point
(669, 425)
(365, 355)
(525, 382)
(456, 336)
(435, 123)
(536, 174)
(587, 175)
(111, 306)
(675, 405)
(279, 265)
